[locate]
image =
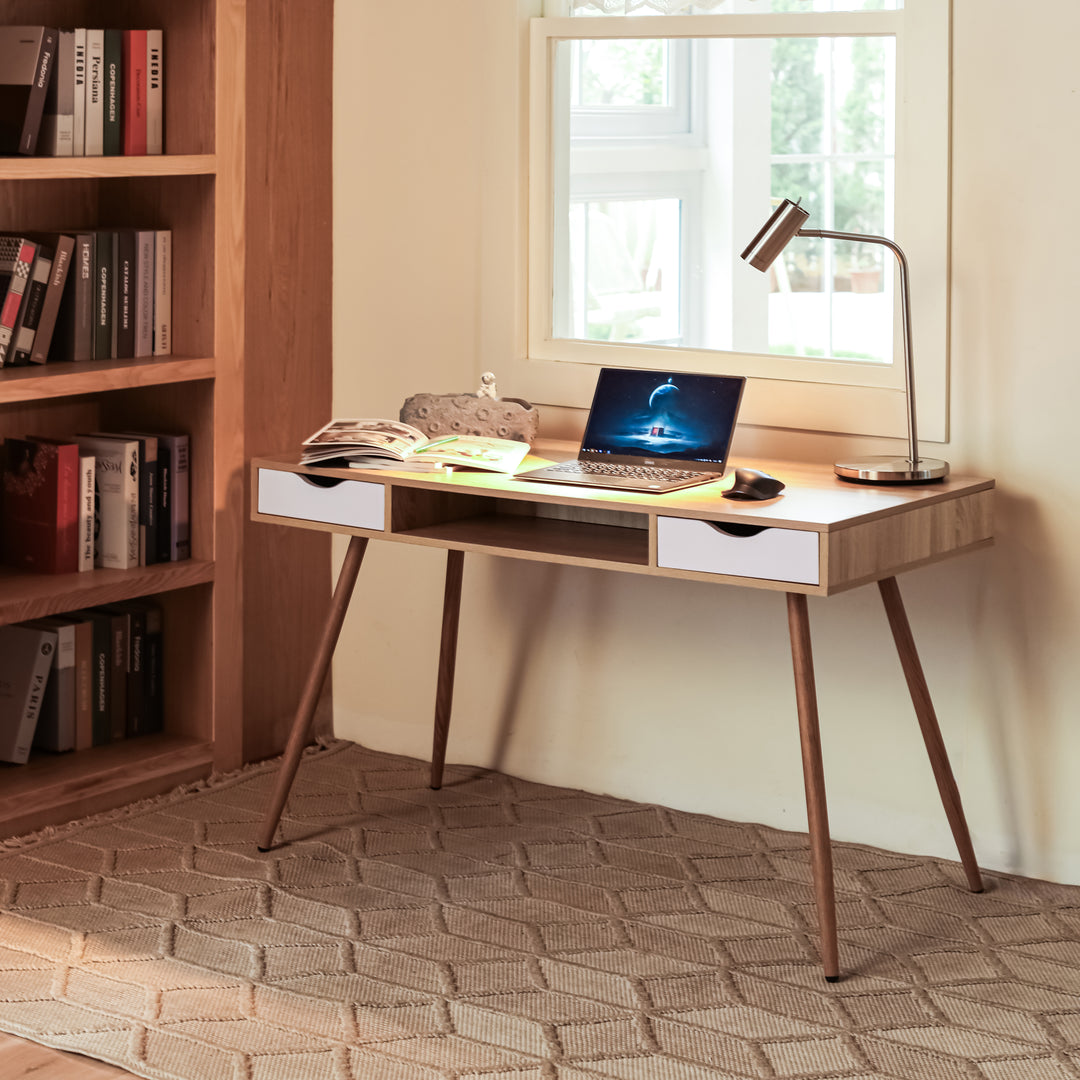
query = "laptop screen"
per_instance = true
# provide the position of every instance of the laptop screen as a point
(663, 415)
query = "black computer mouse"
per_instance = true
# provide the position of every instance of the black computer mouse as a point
(754, 484)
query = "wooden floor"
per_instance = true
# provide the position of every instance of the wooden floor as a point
(22, 1060)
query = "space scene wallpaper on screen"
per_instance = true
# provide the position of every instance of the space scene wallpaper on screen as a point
(662, 415)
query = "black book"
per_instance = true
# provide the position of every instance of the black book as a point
(74, 332)
(50, 310)
(164, 494)
(103, 295)
(125, 293)
(111, 135)
(27, 61)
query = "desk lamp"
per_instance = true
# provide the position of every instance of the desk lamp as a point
(785, 224)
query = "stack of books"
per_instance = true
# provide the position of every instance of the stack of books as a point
(111, 500)
(101, 295)
(81, 92)
(79, 680)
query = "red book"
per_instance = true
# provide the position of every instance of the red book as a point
(133, 65)
(41, 511)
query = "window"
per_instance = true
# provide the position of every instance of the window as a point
(657, 147)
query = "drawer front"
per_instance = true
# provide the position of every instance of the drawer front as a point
(775, 554)
(355, 503)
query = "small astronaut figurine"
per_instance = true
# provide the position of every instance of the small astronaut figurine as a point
(487, 386)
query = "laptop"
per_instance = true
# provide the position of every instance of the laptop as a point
(652, 431)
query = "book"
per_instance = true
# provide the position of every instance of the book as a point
(163, 292)
(22, 342)
(87, 492)
(104, 269)
(119, 634)
(124, 308)
(148, 497)
(95, 93)
(100, 637)
(78, 131)
(116, 473)
(25, 660)
(135, 60)
(389, 443)
(16, 261)
(27, 60)
(56, 137)
(40, 520)
(113, 68)
(54, 293)
(55, 730)
(175, 497)
(143, 687)
(155, 92)
(144, 292)
(84, 682)
(153, 666)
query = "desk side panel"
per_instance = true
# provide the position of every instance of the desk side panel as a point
(883, 548)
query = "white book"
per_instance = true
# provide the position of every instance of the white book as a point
(78, 135)
(144, 292)
(26, 656)
(163, 292)
(116, 471)
(155, 92)
(95, 93)
(87, 501)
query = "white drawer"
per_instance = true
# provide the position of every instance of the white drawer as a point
(776, 554)
(356, 503)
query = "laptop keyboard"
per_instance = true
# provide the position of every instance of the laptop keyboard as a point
(633, 472)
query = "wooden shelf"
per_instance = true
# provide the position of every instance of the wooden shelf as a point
(54, 788)
(91, 168)
(98, 376)
(32, 596)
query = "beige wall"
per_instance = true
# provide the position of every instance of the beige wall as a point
(428, 246)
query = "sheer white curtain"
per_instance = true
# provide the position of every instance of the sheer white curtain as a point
(666, 7)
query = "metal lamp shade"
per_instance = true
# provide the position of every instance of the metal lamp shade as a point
(775, 235)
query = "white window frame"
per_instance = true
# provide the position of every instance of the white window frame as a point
(788, 392)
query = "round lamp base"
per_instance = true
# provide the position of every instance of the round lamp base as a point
(892, 470)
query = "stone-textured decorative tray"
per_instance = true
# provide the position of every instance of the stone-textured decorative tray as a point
(471, 414)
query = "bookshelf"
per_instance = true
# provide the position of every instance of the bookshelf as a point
(196, 189)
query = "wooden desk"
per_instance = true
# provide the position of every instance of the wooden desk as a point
(821, 536)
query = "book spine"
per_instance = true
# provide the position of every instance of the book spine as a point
(136, 719)
(103, 297)
(84, 684)
(67, 510)
(153, 663)
(12, 303)
(179, 498)
(164, 493)
(148, 500)
(39, 677)
(78, 134)
(118, 675)
(144, 293)
(83, 324)
(101, 645)
(35, 106)
(134, 46)
(125, 294)
(116, 473)
(50, 308)
(30, 316)
(155, 92)
(163, 292)
(87, 505)
(55, 730)
(115, 73)
(95, 93)
(64, 84)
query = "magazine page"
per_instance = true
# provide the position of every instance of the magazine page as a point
(381, 438)
(474, 452)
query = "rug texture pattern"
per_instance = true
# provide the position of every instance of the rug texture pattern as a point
(512, 931)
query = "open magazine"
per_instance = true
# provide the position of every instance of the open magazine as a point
(389, 444)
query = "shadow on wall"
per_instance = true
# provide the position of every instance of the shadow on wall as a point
(1017, 611)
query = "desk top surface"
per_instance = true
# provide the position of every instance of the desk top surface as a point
(814, 498)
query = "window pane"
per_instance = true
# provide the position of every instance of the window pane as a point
(625, 260)
(594, 8)
(654, 220)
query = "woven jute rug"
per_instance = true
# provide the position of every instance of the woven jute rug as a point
(507, 930)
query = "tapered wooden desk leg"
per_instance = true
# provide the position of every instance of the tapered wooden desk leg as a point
(444, 692)
(814, 778)
(931, 732)
(298, 735)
